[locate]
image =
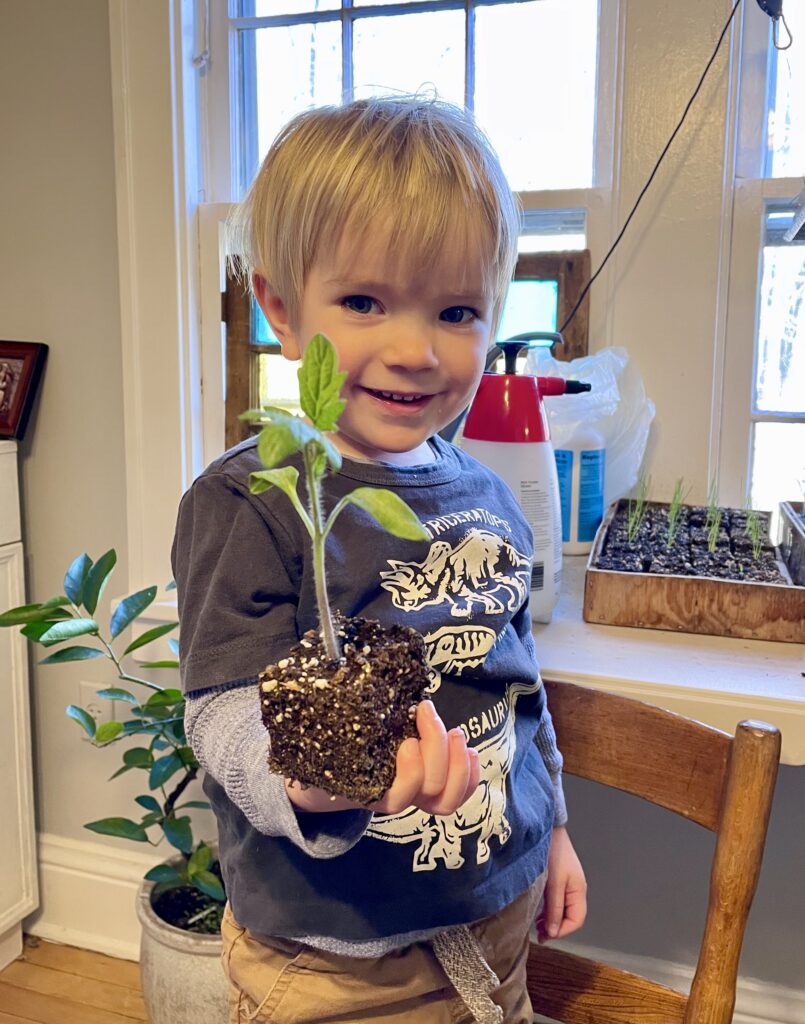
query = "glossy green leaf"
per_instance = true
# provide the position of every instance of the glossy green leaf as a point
(149, 635)
(84, 719)
(108, 731)
(210, 885)
(35, 630)
(162, 769)
(179, 833)
(120, 771)
(149, 803)
(67, 629)
(170, 585)
(200, 859)
(174, 645)
(116, 693)
(30, 613)
(160, 664)
(320, 383)
(201, 804)
(129, 608)
(72, 654)
(165, 873)
(75, 578)
(122, 828)
(97, 578)
(139, 757)
(389, 510)
(164, 698)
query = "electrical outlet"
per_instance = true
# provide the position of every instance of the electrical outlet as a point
(100, 709)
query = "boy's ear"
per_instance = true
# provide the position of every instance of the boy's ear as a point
(275, 311)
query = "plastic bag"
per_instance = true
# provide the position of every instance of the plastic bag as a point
(616, 407)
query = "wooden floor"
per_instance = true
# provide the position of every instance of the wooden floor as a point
(53, 984)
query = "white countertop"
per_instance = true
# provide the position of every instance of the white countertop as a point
(717, 680)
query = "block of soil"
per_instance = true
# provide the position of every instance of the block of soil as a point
(337, 724)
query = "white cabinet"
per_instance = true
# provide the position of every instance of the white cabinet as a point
(18, 881)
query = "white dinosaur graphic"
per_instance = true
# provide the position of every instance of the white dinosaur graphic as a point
(440, 837)
(482, 569)
(452, 649)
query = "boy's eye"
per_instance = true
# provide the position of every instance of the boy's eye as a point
(458, 315)
(359, 303)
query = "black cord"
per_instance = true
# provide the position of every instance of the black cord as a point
(660, 159)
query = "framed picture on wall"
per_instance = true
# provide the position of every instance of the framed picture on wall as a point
(21, 364)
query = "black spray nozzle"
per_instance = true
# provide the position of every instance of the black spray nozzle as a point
(511, 347)
(575, 387)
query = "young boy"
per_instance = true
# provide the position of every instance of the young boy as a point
(388, 226)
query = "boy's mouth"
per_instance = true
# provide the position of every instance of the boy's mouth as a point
(400, 399)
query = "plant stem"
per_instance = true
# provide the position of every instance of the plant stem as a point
(331, 645)
(170, 803)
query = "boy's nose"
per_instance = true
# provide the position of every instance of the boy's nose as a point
(411, 349)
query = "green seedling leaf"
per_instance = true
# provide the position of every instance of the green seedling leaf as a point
(164, 873)
(97, 578)
(210, 885)
(67, 629)
(163, 768)
(129, 608)
(76, 577)
(84, 719)
(122, 828)
(281, 439)
(149, 803)
(72, 654)
(179, 833)
(116, 693)
(389, 510)
(108, 731)
(320, 383)
(149, 635)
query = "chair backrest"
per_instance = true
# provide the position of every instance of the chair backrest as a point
(722, 782)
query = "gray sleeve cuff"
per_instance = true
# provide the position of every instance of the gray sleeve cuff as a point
(228, 738)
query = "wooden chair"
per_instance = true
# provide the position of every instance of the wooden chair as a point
(723, 782)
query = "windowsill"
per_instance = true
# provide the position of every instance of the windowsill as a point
(717, 680)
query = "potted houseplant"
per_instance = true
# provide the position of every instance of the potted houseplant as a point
(181, 900)
(347, 746)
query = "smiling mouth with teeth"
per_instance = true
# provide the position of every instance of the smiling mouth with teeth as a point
(396, 396)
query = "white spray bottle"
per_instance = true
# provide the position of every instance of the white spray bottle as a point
(507, 429)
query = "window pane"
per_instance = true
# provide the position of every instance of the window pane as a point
(277, 381)
(787, 100)
(780, 370)
(778, 464)
(529, 306)
(408, 52)
(295, 67)
(535, 81)
(269, 8)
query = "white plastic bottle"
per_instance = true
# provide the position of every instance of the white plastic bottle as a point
(580, 466)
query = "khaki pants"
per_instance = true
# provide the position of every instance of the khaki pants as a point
(289, 983)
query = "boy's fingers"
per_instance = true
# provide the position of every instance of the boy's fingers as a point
(433, 746)
(554, 910)
(475, 773)
(458, 776)
(407, 782)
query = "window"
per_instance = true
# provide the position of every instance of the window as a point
(764, 395)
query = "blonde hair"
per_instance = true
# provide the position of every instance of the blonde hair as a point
(421, 166)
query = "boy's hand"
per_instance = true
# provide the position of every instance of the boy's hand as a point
(436, 773)
(565, 904)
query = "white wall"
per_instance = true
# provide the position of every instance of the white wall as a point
(58, 284)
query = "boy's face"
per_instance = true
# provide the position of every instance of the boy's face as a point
(413, 345)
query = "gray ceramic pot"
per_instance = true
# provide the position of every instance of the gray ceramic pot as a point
(182, 978)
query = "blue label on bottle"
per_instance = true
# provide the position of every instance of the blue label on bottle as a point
(591, 492)
(564, 470)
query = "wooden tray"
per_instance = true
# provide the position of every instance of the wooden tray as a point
(691, 604)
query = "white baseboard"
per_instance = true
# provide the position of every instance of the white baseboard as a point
(87, 893)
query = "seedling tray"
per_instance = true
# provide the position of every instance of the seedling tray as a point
(690, 603)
